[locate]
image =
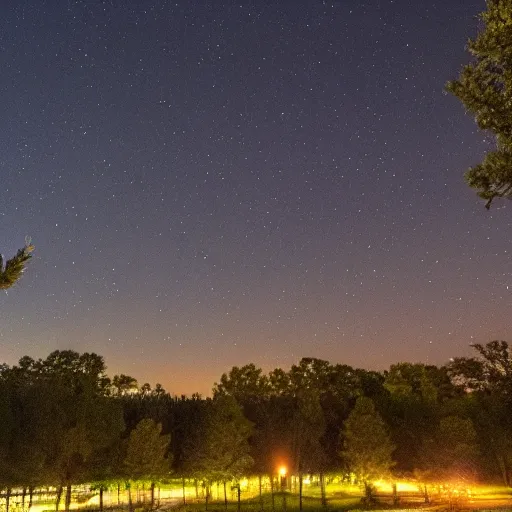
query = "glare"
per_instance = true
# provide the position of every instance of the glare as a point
(282, 471)
(401, 486)
(406, 487)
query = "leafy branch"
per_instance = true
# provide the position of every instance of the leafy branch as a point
(14, 268)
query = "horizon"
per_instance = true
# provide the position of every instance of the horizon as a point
(207, 392)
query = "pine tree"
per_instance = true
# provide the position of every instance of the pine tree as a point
(14, 267)
(218, 450)
(485, 88)
(367, 444)
(147, 454)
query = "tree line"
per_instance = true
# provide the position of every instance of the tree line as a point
(65, 422)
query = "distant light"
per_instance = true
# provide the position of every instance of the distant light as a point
(282, 471)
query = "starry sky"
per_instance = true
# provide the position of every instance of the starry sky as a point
(213, 183)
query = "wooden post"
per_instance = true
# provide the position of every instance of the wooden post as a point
(300, 490)
(272, 492)
(322, 490)
(261, 494)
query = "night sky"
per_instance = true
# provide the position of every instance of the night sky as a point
(213, 183)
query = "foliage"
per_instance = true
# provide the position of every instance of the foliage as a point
(367, 447)
(14, 267)
(244, 384)
(62, 417)
(451, 454)
(488, 379)
(64, 422)
(309, 427)
(493, 424)
(485, 88)
(146, 454)
(219, 450)
(411, 409)
(491, 371)
(123, 385)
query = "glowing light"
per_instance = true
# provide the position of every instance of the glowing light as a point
(401, 486)
(407, 487)
(282, 471)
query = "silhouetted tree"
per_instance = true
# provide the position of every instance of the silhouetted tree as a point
(124, 384)
(491, 371)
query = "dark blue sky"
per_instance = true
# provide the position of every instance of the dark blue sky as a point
(216, 183)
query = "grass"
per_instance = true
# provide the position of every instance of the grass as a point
(341, 497)
(283, 502)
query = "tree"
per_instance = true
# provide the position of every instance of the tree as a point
(78, 372)
(367, 447)
(410, 408)
(14, 267)
(124, 385)
(7, 432)
(485, 88)
(246, 384)
(147, 455)
(490, 414)
(64, 417)
(34, 414)
(38, 418)
(219, 450)
(490, 372)
(91, 423)
(489, 378)
(451, 454)
(309, 427)
(104, 468)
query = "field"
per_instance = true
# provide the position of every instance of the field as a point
(340, 496)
